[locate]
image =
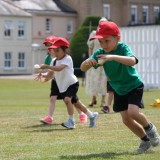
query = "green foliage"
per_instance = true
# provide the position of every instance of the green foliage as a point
(78, 43)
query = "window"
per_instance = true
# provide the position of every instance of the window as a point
(106, 11)
(133, 14)
(70, 26)
(145, 15)
(7, 59)
(8, 27)
(156, 10)
(21, 29)
(21, 60)
(48, 25)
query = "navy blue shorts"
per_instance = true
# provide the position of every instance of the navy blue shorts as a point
(133, 97)
(70, 92)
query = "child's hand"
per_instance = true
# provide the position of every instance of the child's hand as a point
(37, 77)
(91, 62)
(44, 66)
(103, 58)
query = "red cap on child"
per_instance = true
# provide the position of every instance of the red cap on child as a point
(60, 41)
(106, 28)
(49, 39)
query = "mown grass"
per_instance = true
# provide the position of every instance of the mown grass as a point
(23, 137)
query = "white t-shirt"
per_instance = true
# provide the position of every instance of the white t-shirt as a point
(65, 77)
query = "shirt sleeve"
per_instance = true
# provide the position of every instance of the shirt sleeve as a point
(128, 52)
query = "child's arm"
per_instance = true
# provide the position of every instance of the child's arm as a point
(87, 64)
(126, 60)
(54, 68)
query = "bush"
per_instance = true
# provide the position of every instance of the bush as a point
(78, 43)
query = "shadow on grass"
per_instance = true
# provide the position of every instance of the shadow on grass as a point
(42, 128)
(107, 155)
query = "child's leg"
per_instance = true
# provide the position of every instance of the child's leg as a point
(71, 122)
(83, 108)
(49, 119)
(135, 127)
(52, 105)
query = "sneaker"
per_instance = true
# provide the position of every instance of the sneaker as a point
(153, 136)
(83, 118)
(144, 147)
(69, 124)
(105, 109)
(47, 120)
(93, 120)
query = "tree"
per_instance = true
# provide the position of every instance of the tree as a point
(78, 43)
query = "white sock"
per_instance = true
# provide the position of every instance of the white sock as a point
(50, 117)
(71, 117)
(89, 113)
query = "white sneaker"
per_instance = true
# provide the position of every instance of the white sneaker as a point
(93, 120)
(153, 136)
(69, 124)
(144, 147)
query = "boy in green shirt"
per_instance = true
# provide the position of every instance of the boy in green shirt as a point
(118, 62)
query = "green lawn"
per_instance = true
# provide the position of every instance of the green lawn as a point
(23, 137)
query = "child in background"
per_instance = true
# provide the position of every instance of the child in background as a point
(118, 62)
(66, 84)
(48, 119)
(106, 108)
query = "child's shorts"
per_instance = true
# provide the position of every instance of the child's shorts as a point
(133, 97)
(70, 92)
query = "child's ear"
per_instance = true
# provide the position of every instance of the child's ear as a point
(118, 38)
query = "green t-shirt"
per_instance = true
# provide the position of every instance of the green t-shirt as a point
(121, 77)
(48, 59)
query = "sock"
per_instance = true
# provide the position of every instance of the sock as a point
(145, 138)
(71, 117)
(50, 117)
(89, 114)
(148, 127)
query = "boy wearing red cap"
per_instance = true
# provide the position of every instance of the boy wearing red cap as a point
(66, 83)
(118, 60)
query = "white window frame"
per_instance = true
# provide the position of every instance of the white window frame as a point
(70, 26)
(107, 11)
(21, 29)
(7, 60)
(145, 14)
(48, 25)
(21, 60)
(8, 29)
(134, 12)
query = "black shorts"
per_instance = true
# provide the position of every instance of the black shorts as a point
(133, 97)
(109, 88)
(70, 92)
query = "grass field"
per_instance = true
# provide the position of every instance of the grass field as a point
(23, 137)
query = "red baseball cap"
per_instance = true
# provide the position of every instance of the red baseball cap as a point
(59, 41)
(50, 39)
(106, 28)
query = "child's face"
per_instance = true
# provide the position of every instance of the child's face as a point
(110, 43)
(56, 52)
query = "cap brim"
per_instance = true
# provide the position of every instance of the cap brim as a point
(98, 37)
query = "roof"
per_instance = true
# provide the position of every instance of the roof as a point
(8, 9)
(42, 6)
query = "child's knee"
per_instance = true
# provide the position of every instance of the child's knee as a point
(67, 100)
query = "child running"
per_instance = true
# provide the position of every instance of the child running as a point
(66, 83)
(118, 62)
(49, 118)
